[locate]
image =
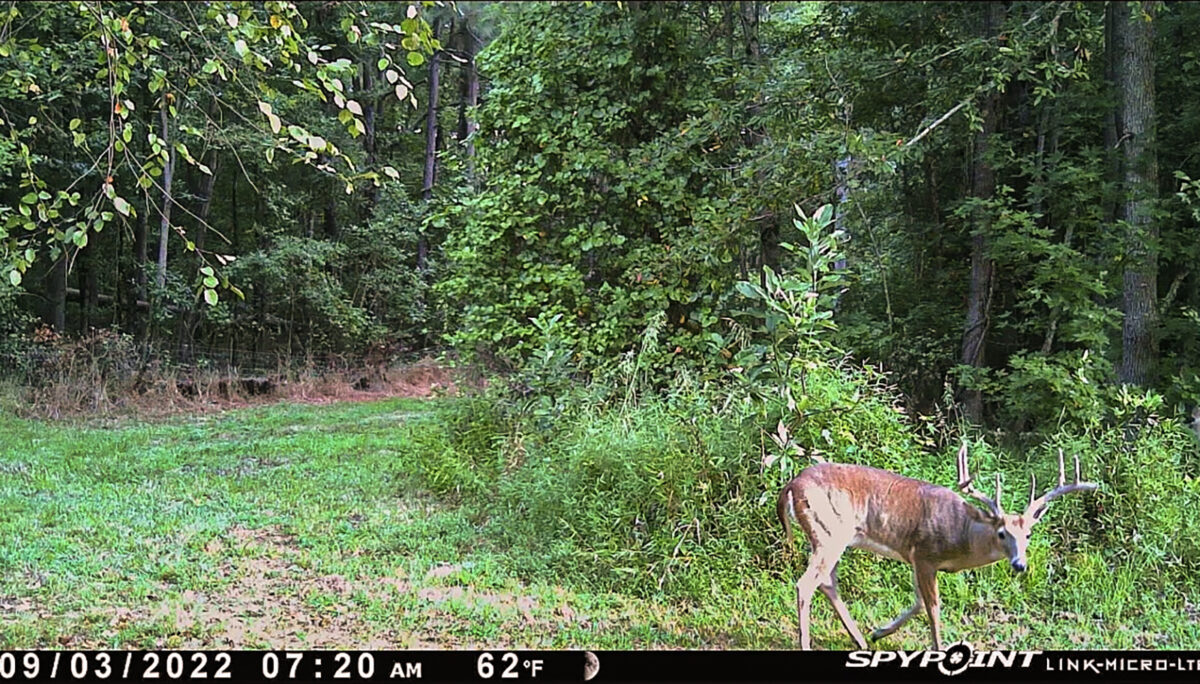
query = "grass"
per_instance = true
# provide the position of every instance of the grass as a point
(293, 526)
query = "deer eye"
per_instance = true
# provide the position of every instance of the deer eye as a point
(1000, 534)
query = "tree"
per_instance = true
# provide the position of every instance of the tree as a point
(983, 187)
(1134, 45)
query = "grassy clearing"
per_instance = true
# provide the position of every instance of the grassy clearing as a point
(303, 526)
(283, 525)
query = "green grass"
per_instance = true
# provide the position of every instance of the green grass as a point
(304, 526)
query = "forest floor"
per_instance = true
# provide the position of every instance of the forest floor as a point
(297, 526)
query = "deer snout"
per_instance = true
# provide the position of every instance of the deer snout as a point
(1018, 565)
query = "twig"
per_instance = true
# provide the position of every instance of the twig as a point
(937, 123)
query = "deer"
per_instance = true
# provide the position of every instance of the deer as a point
(928, 526)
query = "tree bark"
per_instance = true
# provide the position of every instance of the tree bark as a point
(983, 187)
(202, 190)
(167, 200)
(89, 299)
(370, 106)
(469, 94)
(141, 253)
(1134, 33)
(431, 131)
(56, 293)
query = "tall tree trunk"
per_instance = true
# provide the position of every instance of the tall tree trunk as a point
(983, 186)
(329, 212)
(167, 200)
(431, 131)
(202, 191)
(141, 253)
(469, 93)
(1134, 33)
(56, 293)
(89, 295)
(370, 106)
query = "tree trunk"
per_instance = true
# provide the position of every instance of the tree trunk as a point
(89, 295)
(202, 190)
(430, 148)
(983, 187)
(370, 106)
(1134, 33)
(56, 293)
(167, 200)
(141, 253)
(469, 94)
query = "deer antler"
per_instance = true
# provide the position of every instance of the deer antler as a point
(964, 484)
(1037, 507)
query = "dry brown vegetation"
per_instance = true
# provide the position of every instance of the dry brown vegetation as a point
(105, 374)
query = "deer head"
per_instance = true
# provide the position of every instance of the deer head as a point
(1012, 531)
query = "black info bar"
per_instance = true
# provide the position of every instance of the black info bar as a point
(956, 662)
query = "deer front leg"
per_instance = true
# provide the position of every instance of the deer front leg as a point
(927, 588)
(904, 617)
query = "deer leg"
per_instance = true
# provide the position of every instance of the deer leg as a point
(927, 585)
(821, 566)
(904, 617)
(830, 590)
(805, 586)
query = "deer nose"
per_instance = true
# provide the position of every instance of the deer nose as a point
(1018, 565)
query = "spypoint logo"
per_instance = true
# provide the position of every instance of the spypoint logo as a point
(952, 661)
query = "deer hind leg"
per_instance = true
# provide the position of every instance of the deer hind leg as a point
(903, 617)
(821, 573)
(839, 606)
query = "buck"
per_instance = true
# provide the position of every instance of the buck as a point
(925, 525)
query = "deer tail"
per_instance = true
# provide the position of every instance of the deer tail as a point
(786, 510)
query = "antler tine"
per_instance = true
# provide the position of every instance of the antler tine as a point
(964, 484)
(1037, 507)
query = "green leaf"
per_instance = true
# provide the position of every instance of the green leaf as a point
(416, 59)
(14, 277)
(210, 281)
(210, 296)
(121, 205)
(383, 63)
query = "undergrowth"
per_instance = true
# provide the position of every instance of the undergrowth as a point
(672, 498)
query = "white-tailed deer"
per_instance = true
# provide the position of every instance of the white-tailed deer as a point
(925, 525)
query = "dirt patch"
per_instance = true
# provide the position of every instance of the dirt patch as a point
(270, 597)
(442, 570)
(271, 600)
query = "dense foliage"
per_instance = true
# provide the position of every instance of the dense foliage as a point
(339, 177)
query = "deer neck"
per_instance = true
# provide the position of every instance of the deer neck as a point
(981, 549)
